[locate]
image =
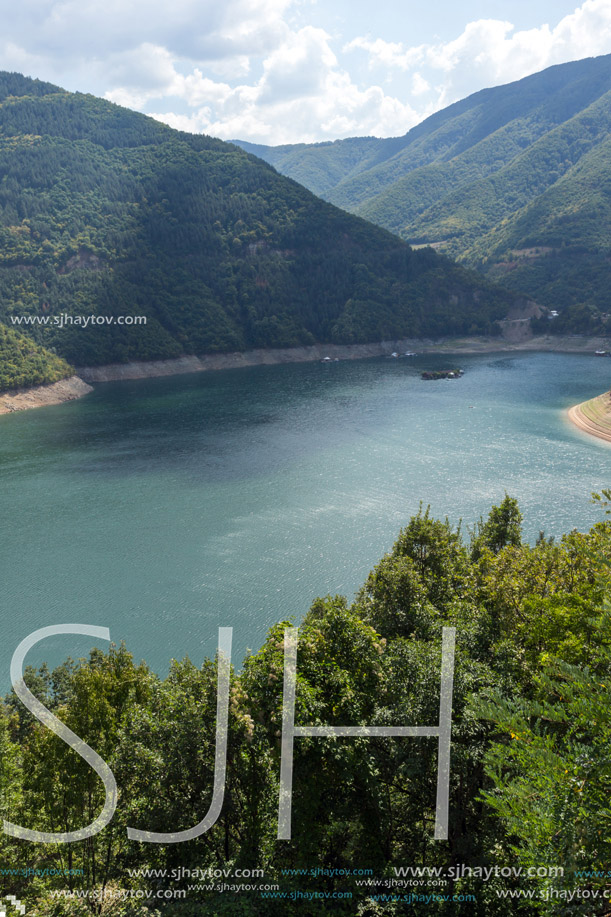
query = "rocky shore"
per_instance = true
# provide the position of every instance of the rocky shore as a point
(41, 395)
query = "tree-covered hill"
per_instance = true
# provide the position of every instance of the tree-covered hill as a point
(107, 212)
(512, 180)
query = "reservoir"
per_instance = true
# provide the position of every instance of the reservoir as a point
(165, 508)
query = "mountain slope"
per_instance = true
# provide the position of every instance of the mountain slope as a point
(321, 167)
(511, 180)
(109, 213)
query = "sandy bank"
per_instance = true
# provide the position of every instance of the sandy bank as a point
(143, 370)
(57, 393)
(593, 416)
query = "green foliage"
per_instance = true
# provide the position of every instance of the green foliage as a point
(552, 776)
(503, 527)
(551, 771)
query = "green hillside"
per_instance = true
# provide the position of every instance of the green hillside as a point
(320, 166)
(512, 181)
(23, 363)
(107, 212)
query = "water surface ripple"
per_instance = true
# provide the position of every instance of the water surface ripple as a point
(164, 508)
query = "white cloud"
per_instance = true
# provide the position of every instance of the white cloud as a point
(195, 29)
(490, 51)
(243, 68)
(420, 86)
(314, 100)
(148, 67)
(386, 53)
(302, 94)
(299, 68)
(13, 57)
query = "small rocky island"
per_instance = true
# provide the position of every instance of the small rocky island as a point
(442, 374)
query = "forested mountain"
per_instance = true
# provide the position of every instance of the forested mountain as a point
(513, 181)
(107, 212)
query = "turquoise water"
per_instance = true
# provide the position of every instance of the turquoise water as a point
(164, 508)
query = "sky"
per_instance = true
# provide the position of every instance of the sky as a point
(291, 71)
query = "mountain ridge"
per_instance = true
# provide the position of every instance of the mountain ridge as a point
(494, 162)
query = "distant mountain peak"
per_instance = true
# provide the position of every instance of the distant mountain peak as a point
(512, 180)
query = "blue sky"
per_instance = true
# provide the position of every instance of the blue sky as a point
(285, 71)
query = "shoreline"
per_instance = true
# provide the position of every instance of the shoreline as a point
(114, 372)
(80, 384)
(25, 399)
(593, 417)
